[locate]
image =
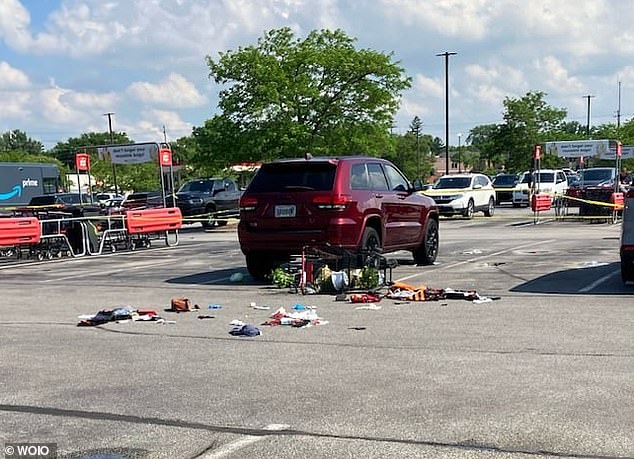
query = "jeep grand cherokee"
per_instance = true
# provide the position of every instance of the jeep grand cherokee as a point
(354, 203)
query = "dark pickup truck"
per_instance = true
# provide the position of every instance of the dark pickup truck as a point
(211, 201)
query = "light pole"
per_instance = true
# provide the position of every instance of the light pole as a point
(446, 54)
(589, 96)
(114, 169)
(459, 157)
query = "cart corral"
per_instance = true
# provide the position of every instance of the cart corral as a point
(54, 235)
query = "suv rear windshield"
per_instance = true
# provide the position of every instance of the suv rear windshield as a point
(299, 176)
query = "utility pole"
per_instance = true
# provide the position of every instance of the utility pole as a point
(446, 54)
(618, 110)
(589, 96)
(459, 156)
(114, 169)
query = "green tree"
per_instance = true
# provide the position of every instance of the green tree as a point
(17, 140)
(287, 96)
(483, 139)
(528, 121)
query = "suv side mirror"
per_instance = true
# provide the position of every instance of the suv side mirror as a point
(418, 185)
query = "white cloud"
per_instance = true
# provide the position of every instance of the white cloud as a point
(173, 91)
(460, 18)
(555, 77)
(150, 127)
(490, 84)
(14, 105)
(12, 78)
(14, 23)
(428, 87)
(65, 106)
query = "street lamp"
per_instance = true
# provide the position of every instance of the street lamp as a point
(459, 157)
(446, 54)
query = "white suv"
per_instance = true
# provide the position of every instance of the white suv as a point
(550, 181)
(463, 194)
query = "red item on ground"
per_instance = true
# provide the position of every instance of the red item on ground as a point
(364, 298)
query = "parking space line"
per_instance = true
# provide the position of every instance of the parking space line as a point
(111, 271)
(236, 445)
(483, 257)
(600, 280)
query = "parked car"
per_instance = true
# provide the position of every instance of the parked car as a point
(464, 194)
(72, 204)
(353, 203)
(112, 206)
(212, 200)
(550, 181)
(144, 200)
(504, 185)
(627, 239)
(102, 198)
(596, 184)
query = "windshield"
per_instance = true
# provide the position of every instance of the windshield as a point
(204, 186)
(445, 183)
(544, 177)
(598, 175)
(69, 198)
(504, 180)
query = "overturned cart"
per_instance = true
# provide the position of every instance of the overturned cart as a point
(54, 236)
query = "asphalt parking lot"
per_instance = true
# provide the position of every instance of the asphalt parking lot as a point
(545, 371)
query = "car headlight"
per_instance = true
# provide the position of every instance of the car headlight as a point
(453, 197)
(196, 201)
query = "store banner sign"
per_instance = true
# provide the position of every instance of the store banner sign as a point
(578, 148)
(129, 154)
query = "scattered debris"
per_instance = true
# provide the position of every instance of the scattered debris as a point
(403, 291)
(206, 317)
(299, 319)
(214, 306)
(245, 330)
(121, 314)
(370, 307)
(356, 328)
(364, 298)
(181, 305)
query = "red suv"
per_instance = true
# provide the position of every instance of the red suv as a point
(354, 203)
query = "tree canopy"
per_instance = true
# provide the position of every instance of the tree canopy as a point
(287, 96)
(16, 140)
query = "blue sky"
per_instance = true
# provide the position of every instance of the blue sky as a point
(64, 63)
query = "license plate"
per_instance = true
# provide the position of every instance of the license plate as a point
(285, 211)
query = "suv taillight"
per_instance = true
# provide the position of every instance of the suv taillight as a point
(332, 201)
(248, 203)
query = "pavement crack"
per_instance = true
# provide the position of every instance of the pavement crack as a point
(261, 432)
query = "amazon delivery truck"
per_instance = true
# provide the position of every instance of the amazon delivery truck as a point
(19, 182)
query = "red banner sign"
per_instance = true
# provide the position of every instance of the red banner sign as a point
(538, 152)
(619, 149)
(165, 157)
(82, 161)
